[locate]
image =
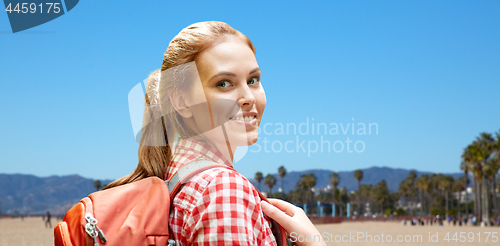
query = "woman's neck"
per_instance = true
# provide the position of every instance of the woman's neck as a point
(225, 148)
(216, 137)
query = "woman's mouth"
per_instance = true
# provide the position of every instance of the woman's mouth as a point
(245, 119)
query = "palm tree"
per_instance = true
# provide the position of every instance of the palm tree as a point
(465, 167)
(301, 187)
(367, 193)
(334, 180)
(491, 170)
(97, 185)
(494, 166)
(443, 184)
(477, 170)
(407, 190)
(412, 175)
(460, 186)
(282, 173)
(258, 178)
(270, 181)
(448, 183)
(358, 175)
(485, 143)
(343, 200)
(306, 182)
(469, 164)
(476, 159)
(404, 192)
(423, 184)
(381, 194)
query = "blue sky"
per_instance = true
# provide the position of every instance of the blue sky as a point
(427, 73)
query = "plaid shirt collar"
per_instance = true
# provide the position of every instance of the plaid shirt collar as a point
(188, 150)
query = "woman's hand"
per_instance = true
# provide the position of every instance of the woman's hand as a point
(293, 219)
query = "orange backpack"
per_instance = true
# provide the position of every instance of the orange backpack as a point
(131, 214)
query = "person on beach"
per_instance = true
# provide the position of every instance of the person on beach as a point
(48, 223)
(205, 101)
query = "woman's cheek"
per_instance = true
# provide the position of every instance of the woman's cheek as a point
(261, 102)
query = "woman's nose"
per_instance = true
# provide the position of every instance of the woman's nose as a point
(246, 98)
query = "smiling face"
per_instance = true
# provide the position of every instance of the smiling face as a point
(230, 82)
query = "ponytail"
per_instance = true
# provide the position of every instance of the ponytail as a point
(154, 150)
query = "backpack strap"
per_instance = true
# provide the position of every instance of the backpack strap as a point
(278, 231)
(186, 172)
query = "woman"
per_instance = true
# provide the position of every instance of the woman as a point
(207, 100)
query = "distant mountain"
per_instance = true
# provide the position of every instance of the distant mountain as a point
(28, 194)
(371, 175)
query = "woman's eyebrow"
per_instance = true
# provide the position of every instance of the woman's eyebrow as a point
(254, 70)
(224, 73)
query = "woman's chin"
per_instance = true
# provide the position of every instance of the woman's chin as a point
(244, 140)
(251, 141)
(252, 138)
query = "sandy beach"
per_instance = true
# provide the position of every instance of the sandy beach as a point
(32, 231)
(379, 233)
(28, 232)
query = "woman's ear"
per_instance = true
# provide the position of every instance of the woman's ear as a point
(179, 104)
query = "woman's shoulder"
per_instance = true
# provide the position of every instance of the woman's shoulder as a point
(216, 183)
(220, 178)
(221, 201)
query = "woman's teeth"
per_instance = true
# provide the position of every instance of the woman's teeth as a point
(246, 118)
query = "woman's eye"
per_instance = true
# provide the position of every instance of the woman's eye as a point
(223, 84)
(254, 80)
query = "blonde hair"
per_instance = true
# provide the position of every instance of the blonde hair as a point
(183, 49)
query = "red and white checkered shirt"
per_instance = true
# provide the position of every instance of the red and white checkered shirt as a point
(217, 206)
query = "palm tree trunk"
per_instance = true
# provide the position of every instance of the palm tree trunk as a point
(446, 199)
(282, 186)
(494, 196)
(412, 205)
(410, 200)
(305, 196)
(408, 204)
(486, 205)
(476, 195)
(458, 203)
(421, 200)
(479, 200)
(426, 205)
(444, 208)
(414, 202)
(334, 199)
(359, 198)
(466, 203)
